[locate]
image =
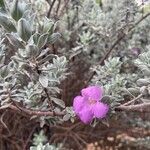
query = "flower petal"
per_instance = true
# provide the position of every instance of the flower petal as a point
(78, 103)
(100, 110)
(94, 92)
(86, 115)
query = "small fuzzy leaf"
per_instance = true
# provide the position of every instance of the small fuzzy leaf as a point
(43, 79)
(6, 23)
(58, 102)
(2, 5)
(24, 30)
(143, 82)
(4, 71)
(134, 91)
(42, 40)
(53, 38)
(48, 25)
(16, 10)
(32, 51)
(66, 117)
(47, 58)
(36, 37)
(14, 41)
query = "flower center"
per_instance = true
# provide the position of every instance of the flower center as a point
(91, 101)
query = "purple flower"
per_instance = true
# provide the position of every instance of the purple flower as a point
(135, 51)
(88, 105)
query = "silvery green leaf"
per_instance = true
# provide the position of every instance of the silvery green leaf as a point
(7, 23)
(53, 38)
(19, 57)
(22, 54)
(58, 102)
(54, 80)
(32, 50)
(30, 16)
(43, 79)
(134, 91)
(28, 7)
(53, 28)
(47, 25)
(16, 10)
(14, 41)
(43, 53)
(106, 99)
(4, 72)
(40, 147)
(2, 5)
(72, 119)
(145, 100)
(24, 29)
(143, 82)
(33, 148)
(2, 59)
(42, 40)
(144, 90)
(76, 52)
(54, 89)
(47, 58)
(36, 37)
(28, 13)
(39, 138)
(66, 117)
(69, 110)
(50, 147)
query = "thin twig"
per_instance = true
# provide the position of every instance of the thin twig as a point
(54, 49)
(77, 142)
(58, 6)
(3, 123)
(80, 139)
(50, 8)
(49, 99)
(74, 126)
(29, 138)
(63, 8)
(34, 112)
(135, 99)
(144, 107)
